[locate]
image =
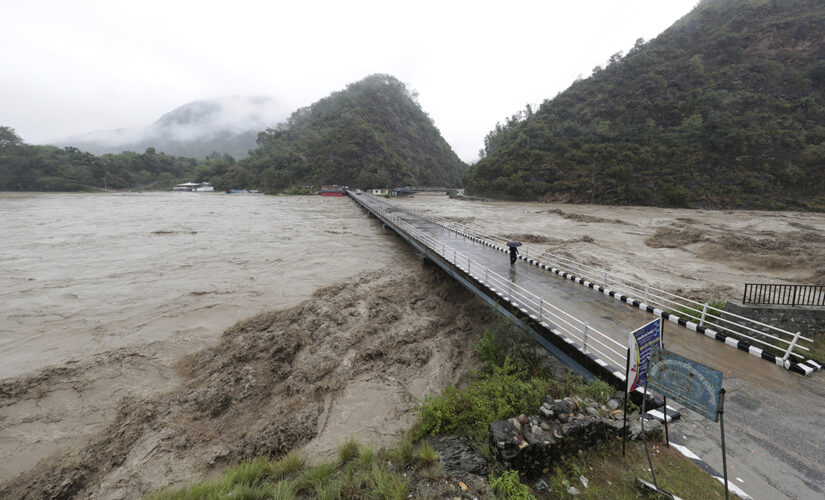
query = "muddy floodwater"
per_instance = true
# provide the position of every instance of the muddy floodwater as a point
(121, 371)
(86, 273)
(113, 289)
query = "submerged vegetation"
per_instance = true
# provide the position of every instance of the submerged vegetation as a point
(723, 109)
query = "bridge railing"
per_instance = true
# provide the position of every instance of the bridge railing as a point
(705, 314)
(784, 295)
(559, 321)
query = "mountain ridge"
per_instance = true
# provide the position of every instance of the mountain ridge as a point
(225, 125)
(722, 110)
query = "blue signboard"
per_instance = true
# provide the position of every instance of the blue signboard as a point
(688, 382)
(641, 341)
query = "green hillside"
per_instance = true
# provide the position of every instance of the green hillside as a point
(25, 167)
(724, 109)
(372, 134)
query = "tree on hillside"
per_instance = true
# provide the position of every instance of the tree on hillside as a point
(9, 138)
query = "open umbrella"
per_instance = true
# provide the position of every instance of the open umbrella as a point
(513, 243)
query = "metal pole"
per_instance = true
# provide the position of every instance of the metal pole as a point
(605, 278)
(585, 336)
(468, 265)
(526, 252)
(486, 277)
(646, 302)
(667, 436)
(704, 312)
(454, 257)
(644, 438)
(790, 347)
(509, 289)
(541, 304)
(722, 427)
(624, 425)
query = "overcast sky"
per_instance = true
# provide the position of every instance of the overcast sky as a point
(74, 66)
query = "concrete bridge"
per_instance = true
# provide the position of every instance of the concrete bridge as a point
(773, 415)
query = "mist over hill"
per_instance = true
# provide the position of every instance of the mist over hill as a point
(725, 109)
(227, 125)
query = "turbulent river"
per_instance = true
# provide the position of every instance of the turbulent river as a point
(86, 273)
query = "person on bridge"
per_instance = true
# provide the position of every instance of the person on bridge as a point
(513, 253)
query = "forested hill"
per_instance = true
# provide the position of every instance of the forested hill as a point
(372, 134)
(724, 109)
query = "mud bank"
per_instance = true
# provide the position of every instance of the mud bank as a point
(351, 361)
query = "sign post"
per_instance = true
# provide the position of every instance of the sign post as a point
(696, 386)
(640, 342)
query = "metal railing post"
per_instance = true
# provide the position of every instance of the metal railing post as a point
(605, 279)
(790, 347)
(646, 302)
(486, 276)
(526, 252)
(454, 258)
(704, 312)
(509, 290)
(541, 306)
(468, 265)
(586, 327)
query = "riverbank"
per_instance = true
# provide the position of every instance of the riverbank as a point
(351, 361)
(447, 453)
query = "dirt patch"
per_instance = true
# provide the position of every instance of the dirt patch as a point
(772, 251)
(528, 238)
(674, 237)
(583, 217)
(274, 383)
(460, 220)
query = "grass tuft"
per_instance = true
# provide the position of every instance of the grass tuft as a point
(348, 450)
(426, 454)
(289, 465)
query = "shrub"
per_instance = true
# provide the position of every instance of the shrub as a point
(495, 396)
(508, 486)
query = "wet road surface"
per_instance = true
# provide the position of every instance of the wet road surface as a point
(773, 417)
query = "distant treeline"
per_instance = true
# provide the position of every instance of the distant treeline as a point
(372, 134)
(26, 167)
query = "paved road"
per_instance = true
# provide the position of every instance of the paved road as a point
(773, 418)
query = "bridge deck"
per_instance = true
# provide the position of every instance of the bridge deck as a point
(604, 313)
(772, 417)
